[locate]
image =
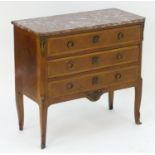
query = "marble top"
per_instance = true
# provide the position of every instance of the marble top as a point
(60, 24)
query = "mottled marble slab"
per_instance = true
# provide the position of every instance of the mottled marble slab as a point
(60, 24)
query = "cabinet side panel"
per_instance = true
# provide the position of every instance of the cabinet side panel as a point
(25, 63)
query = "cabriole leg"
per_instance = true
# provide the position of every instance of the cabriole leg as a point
(20, 109)
(138, 94)
(111, 98)
(43, 123)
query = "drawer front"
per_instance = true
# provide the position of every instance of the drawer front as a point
(101, 59)
(99, 39)
(91, 81)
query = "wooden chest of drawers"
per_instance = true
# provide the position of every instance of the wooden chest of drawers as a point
(65, 57)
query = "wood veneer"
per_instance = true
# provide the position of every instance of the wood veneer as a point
(60, 58)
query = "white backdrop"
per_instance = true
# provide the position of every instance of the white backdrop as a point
(78, 125)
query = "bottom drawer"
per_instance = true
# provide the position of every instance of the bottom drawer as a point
(91, 81)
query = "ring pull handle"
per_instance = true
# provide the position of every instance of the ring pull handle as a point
(69, 85)
(120, 36)
(96, 39)
(118, 76)
(119, 56)
(95, 80)
(70, 44)
(95, 60)
(70, 65)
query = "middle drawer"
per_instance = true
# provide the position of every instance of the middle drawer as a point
(75, 64)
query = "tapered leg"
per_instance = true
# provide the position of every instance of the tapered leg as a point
(111, 98)
(43, 123)
(20, 109)
(138, 93)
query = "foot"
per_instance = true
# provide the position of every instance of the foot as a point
(138, 122)
(21, 128)
(43, 146)
(110, 107)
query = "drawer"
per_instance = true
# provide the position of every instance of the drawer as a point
(87, 62)
(99, 39)
(91, 81)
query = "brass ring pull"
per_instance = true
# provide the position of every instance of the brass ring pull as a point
(95, 80)
(120, 36)
(119, 56)
(70, 65)
(96, 39)
(95, 60)
(69, 85)
(118, 76)
(70, 44)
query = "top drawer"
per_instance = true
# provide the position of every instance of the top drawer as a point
(98, 39)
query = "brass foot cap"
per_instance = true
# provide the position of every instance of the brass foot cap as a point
(21, 128)
(43, 146)
(110, 107)
(138, 123)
